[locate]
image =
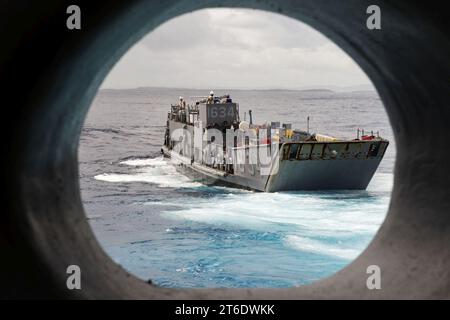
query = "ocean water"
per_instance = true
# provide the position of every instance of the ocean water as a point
(160, 225)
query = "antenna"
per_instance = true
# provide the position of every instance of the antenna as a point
(307, 124)
(250, 115)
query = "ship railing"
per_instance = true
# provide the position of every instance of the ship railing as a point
(361, 133)
(314, 150)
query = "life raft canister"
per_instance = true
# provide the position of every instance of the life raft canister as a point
(367, 137)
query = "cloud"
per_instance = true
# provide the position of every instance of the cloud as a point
(235, 48)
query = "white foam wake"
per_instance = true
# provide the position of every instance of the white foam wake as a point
(318, 247)
(314, 214)
(155, 170)
(381, 182)
(154, 162)
(300, 217)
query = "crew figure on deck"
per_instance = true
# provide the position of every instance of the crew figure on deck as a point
(226, 99)
(210, 98)
(182, 103)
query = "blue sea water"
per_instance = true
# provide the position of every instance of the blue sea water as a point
(158, 224)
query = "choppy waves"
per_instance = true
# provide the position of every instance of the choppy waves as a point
(336, 224)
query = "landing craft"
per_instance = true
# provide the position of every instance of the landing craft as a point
(208, 142)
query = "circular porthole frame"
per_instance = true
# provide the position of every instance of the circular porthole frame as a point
(49, 76)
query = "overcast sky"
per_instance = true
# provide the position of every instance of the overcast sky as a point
(235, 49)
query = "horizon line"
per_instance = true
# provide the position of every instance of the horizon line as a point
(370, 87)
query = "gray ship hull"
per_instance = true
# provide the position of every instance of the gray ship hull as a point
(210, 176)
(347, 172)
(323, 175)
